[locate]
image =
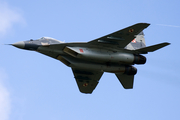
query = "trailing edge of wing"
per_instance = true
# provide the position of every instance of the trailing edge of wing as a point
(152, 48)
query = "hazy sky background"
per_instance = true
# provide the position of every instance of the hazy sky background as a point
(36, 87)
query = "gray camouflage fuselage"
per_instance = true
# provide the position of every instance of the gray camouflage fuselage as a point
(115, 53)
(87, 58)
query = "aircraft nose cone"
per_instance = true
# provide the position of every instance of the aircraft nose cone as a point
(20, 44)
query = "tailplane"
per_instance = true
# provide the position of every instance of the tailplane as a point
(152, 48)
(137, 43)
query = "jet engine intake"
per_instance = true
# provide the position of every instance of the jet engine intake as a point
(130, 70)
(139, 59)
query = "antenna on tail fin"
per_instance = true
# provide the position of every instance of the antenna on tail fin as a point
(137, 43)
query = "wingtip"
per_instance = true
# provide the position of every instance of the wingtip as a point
(147, 24)
(144, 23)
(167, 43)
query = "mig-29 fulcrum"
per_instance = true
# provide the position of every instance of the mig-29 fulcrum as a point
(114, 53)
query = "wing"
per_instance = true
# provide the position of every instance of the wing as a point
(126, 80)
(120, 38)
(87, 80)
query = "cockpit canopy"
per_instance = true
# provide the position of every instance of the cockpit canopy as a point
(49, 38)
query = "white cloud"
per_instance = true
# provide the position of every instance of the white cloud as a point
(9, 16)
(4, 98)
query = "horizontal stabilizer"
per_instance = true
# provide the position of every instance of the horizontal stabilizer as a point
(152, 48)
(126, 80)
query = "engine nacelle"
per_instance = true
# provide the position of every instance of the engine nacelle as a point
(139, 59)
(130, 70)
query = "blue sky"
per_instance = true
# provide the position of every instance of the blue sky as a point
(34, 86)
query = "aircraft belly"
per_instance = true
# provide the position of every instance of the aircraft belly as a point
(47, 49)
(105, 67)
(100, 67)
(119, 58)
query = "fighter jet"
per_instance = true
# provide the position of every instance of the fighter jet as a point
(114, 53)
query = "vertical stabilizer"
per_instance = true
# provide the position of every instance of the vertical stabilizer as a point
(137, 43)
